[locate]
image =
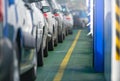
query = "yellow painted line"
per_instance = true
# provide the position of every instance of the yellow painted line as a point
(117, 56)
(118, 45)
(118, 29)
(118, 26)
(64, 63)
(117, 10)
(117, 42)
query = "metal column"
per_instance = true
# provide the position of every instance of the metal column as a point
(98, 35)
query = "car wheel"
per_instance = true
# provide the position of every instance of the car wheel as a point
(66, 32)
(40, 56)
(51, 44)
(46, 49)
(32, 73)
(29, 76)
(60, 38)
(56, 41)
(64, 36)
(70, 32)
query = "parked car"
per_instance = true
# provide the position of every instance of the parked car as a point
(59, 17)
(52, 24)
(8, 58)
(63, 21)
(17, 57)
(83, 18)
(68, 16)
(25, 42)
(76, 19)
(40, 26)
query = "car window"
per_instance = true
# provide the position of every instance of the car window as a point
(46, 9)
(65, 10)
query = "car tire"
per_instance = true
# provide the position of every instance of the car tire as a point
(51, 45)
(29, 75)
(71, 32)
(66, 32)
(60, 38)
(56, 41)
(40, 56)
(46, 49)
(32, 73)
(64, 36)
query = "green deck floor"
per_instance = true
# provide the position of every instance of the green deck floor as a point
(79, 67)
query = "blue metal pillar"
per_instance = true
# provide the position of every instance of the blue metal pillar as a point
(98, 35)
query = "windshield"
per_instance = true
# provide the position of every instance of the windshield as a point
(46, 9)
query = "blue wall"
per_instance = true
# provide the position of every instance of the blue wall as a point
(98, 35)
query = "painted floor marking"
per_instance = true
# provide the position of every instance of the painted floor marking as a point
(65, 61)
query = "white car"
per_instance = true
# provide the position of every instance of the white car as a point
(26, 41)
(8, 58)
(42, 33)
(17, 28)
(83, 18)
(68, 17)
(52, 24)
(59, 17)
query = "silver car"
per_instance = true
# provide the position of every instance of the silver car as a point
(52, 24)
(59, 17)
(8, 58)
(68, 18)
(40, 29)
(18, 40)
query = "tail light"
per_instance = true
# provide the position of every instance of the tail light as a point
(56, 14)
(1, 11)
(68, 18)
(46, 15)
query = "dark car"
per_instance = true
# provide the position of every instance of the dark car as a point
(76, 19)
